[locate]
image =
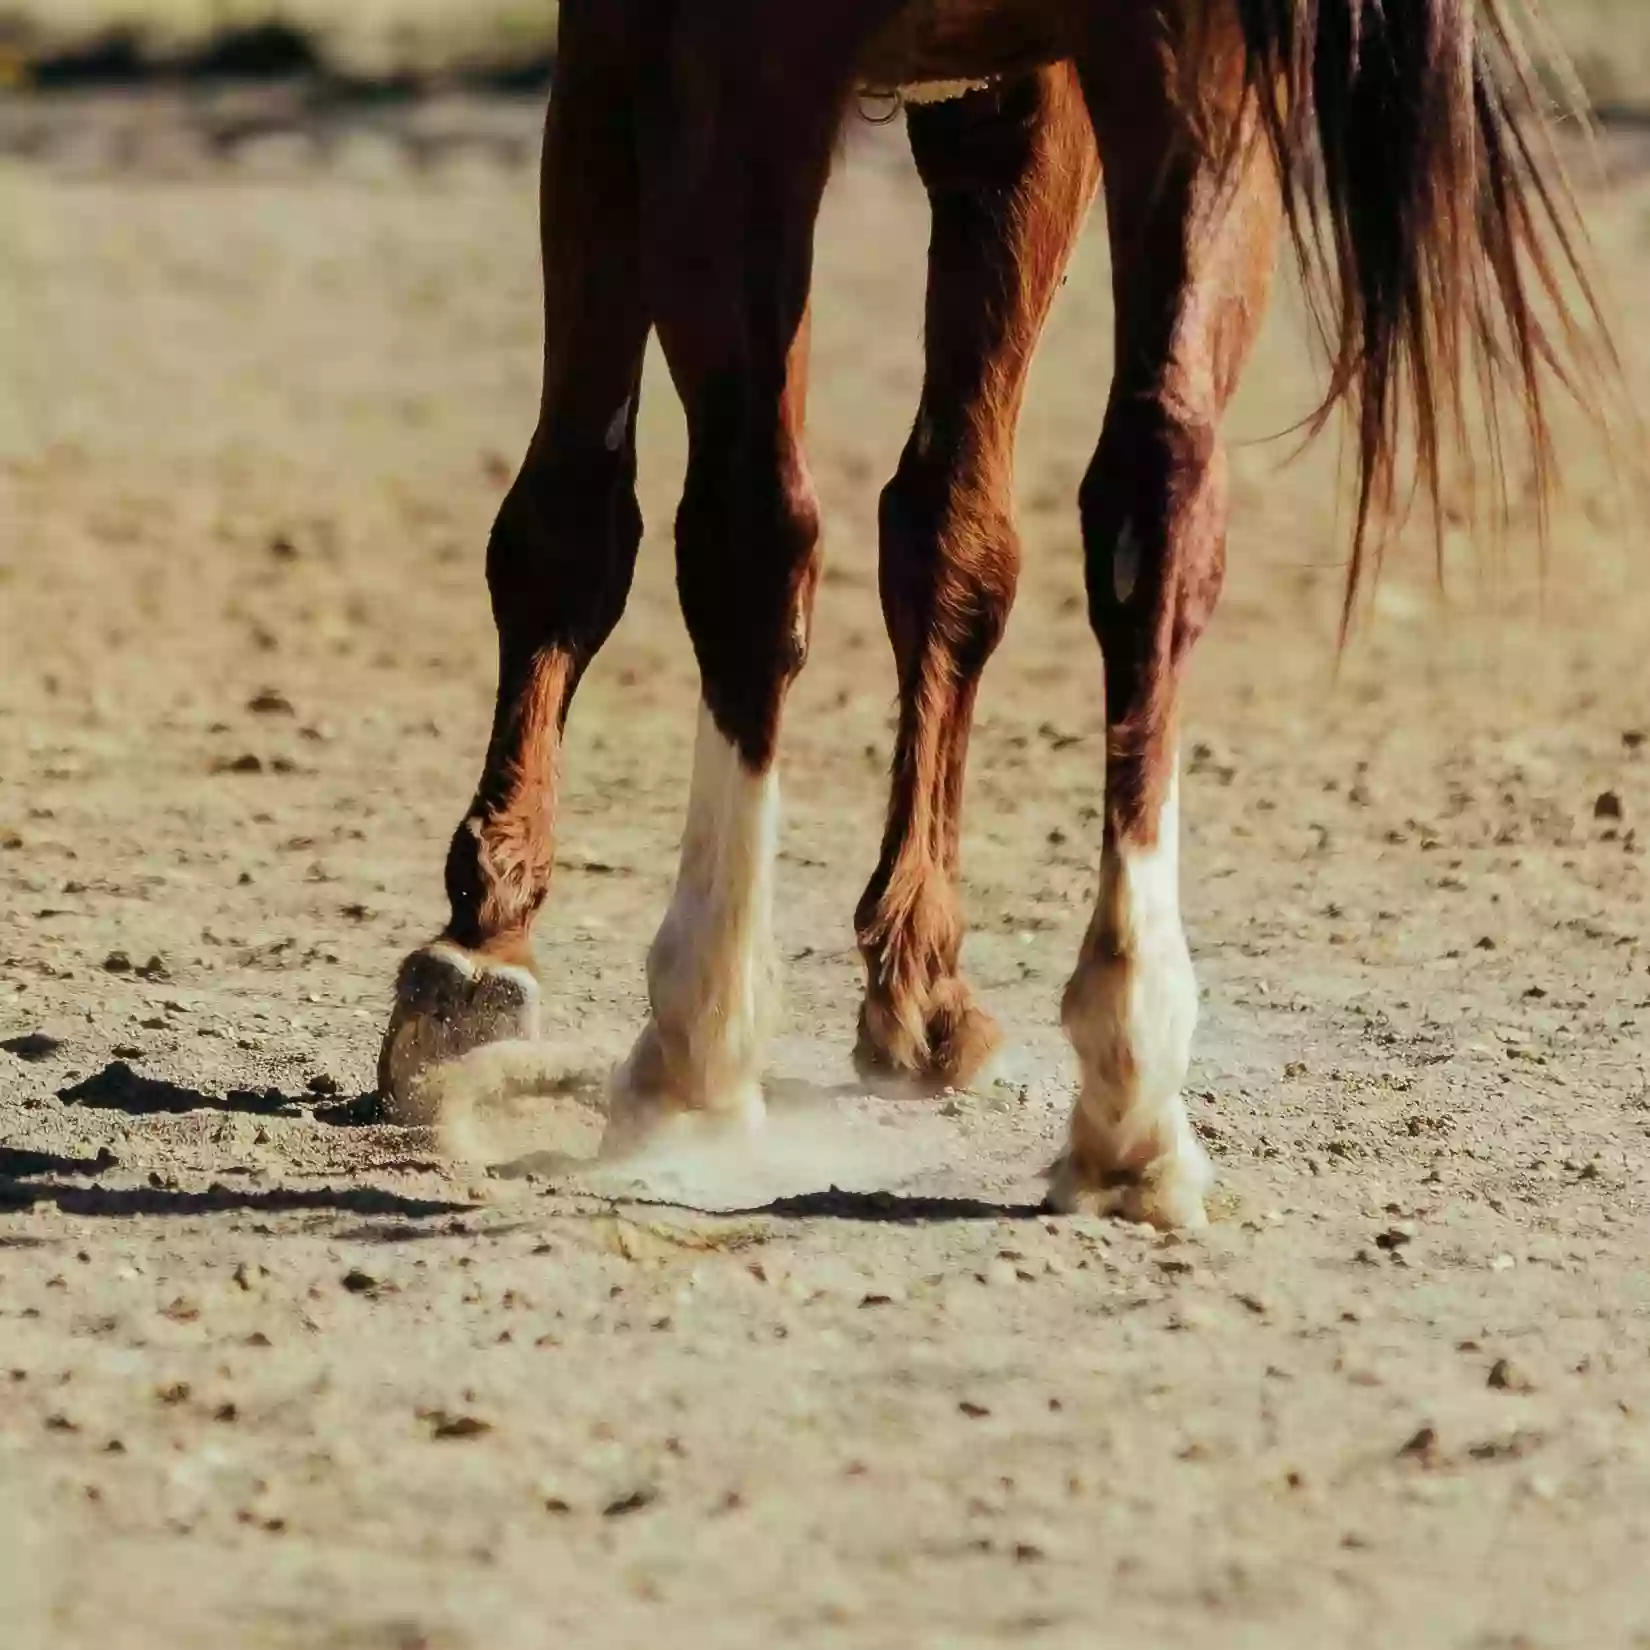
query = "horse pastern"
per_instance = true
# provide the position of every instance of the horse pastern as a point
(648, 1102)
(649, 1120)
(1167, 1193)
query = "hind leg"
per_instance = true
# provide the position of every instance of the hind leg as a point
(729, 267)
(559, 568)
(1192, 254)
(1010, 173)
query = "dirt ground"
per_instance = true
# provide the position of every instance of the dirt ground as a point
(272, 1376)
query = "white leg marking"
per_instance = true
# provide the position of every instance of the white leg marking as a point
(713, 973)
(1130, 1011)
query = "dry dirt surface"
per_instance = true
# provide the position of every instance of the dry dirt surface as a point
(273, 1376)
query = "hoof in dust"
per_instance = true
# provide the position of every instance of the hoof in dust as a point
(448, 1002)
(1167, 1194)
(647, 1111)
(963, 1043)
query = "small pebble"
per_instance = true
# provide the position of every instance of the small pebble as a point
(1506, 1376)
(1422, 1446)
(446, 1426)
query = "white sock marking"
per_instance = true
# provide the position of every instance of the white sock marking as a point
(713, 972)
(1131, 1009)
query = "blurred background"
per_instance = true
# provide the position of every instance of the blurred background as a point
(54, 40)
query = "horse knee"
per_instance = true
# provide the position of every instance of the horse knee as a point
(563, 550)
(950, 562)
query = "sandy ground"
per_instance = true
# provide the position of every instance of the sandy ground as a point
(273, 1377)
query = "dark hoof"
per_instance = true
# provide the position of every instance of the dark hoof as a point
(448, 1002)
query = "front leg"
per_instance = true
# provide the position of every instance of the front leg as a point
(559, 567)
(1010, 172)
(729, 265)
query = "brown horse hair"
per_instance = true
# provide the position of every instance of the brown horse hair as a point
(1436, 233)
(1406, 144)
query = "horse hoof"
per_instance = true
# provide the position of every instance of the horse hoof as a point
(1167, 1194)
(447, 1002)
(961, 1044)
(650, 1105)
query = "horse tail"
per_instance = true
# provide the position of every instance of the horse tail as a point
(1438, 238)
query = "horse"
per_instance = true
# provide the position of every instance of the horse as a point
(1401, 147)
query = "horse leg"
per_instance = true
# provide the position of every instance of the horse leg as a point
(1010, 172)
(728, 267)
(559, 567)
(1192, 249)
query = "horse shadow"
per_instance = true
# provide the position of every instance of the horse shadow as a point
(117, 1087)
(29, 1177)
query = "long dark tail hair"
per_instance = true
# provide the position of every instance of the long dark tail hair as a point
(1437, 235)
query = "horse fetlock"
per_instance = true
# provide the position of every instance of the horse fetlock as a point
(1132, 1150)
(1166, 1191)
(933, 1035)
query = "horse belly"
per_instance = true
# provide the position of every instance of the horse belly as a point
(963, 40)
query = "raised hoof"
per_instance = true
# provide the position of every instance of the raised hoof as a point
(447, 1002)
(959, 1046)
(1167, 1194)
